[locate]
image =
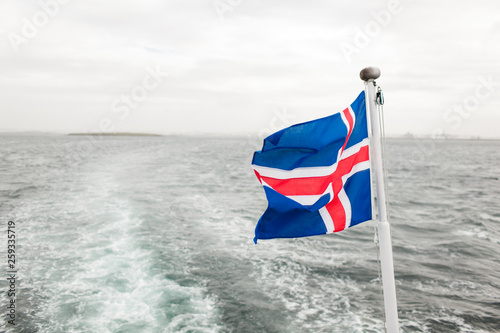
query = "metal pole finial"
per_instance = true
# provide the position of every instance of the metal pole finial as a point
(369, 73)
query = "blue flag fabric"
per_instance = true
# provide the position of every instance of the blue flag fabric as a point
(316, 176)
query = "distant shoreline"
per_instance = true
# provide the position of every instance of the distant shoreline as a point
(116, 134)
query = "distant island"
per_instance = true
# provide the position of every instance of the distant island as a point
(116, 134)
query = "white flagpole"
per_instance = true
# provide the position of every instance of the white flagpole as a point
(369, 75)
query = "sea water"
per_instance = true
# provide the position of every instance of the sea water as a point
(154, 234)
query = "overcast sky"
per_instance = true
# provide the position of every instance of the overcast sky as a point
(246, 66)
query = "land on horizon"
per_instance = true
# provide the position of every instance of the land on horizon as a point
(116, 134)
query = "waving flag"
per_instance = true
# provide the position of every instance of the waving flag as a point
(316, 176)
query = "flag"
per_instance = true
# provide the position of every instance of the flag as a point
(316, 176)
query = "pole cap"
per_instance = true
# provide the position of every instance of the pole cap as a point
(369, 73)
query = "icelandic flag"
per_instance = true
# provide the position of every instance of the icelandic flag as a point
(316, 176)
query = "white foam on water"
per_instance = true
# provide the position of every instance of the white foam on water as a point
(315, 303)
(91, 271)
(486, 216)
(447, 316)
(478, 232)
(281, 271)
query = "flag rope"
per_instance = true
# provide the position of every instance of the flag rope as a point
(380, 289)
(380, 110)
